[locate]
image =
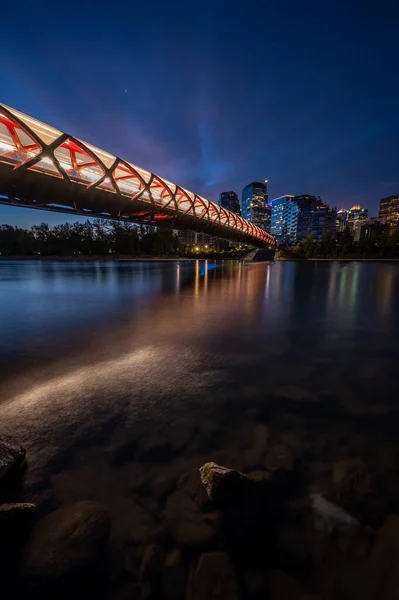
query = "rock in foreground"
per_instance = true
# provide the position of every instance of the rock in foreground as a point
(67, 543)
(221, 483)
(247, 507)
(12, 457)
(383, 567)
(187, 523)
(214, 578)
(16, 520)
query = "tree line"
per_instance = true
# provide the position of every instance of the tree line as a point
(98, 237)
(93, 237)
(379, 245)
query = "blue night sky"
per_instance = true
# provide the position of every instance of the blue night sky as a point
(215, 94)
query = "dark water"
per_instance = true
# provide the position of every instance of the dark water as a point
(94, 354)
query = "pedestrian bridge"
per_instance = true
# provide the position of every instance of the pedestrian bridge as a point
(44, 168)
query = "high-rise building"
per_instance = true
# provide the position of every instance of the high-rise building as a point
(268, 218)
(389, 212)
(373, 230)
(356, 217)
(307, 204)
(254, 201)
(341, 222)
(294, 218)
(229, 200)
(323, 220)
(284, 220)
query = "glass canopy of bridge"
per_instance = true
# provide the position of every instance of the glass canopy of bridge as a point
(25, 141)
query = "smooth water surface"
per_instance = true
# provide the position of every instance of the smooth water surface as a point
(91, 351)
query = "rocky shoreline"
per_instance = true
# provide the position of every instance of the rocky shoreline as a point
(260, 531)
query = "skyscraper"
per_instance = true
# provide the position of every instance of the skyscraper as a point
(294, 218)
(306, 204)
(254, 201)
(323, 220)
(389, 212)
(356, 217)
(284, 219)
(341, 222)
(229, 200)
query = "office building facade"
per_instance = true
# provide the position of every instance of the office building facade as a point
(389, 212)
(323, 220)
(294, 218)
(307, 204)
(341, 222)
(373, 230)
(284, 220)
(254, 202)
(230, 201)
(356, 217)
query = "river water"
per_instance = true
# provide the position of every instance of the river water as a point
(94, 355)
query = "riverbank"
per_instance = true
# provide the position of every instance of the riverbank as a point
(303, 260)
(79, 258)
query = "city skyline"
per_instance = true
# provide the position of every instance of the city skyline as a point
(315, 115)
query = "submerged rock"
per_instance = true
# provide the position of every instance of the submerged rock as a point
(188, 523)
(221, 483)
(163, 485)
(383, 565)
(174, 577)
(279, 457)
(351, 476)
(352, 537)
(353, 489)
(16, 522)
(16, 519)
(67, 543)
(214, 578)
(295, 393)
(12, 457)
(330, 515)
(179, 435)
(283, 586)
(253, 455)
(151, 563)
(247, 507)
(153, 448)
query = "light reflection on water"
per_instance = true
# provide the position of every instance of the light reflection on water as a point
(89, 349)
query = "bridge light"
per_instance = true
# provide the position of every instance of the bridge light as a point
(6, 147)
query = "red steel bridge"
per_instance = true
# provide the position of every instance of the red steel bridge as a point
(43, 168)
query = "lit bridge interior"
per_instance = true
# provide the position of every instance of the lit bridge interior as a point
(43, 168)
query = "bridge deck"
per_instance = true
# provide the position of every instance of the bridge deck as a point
(43, 168)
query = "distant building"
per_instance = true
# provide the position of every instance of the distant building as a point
(341, 222)
(186, 237)
(294, 218)
(389, 212)
(254, 202)
(229, 200)
(356, 217)
(268, 218)
(191, 239)
(284, 220)
(373, 230)
(307, 204)
(323, 219)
